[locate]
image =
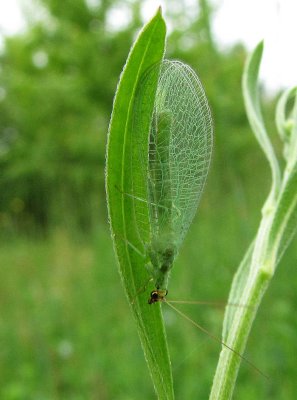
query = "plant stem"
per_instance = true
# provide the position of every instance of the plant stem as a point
(278, 225)
(227, 369)
(258, 270)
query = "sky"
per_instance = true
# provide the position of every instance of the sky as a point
(248, 21)
(11, 20)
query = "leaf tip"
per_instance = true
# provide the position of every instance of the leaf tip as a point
(260, 46)
(159, 11)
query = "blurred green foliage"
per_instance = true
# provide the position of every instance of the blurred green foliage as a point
(65, 325)
(59, 78)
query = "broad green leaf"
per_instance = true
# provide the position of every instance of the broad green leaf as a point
(147, 50)
(254, 114)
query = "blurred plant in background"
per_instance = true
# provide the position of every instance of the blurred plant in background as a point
(58, 79)
(57, 82)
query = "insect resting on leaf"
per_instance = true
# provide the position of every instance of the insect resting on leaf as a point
(172, 162)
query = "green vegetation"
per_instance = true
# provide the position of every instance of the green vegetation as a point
(66, 328)
(67, 331)
(276, 229)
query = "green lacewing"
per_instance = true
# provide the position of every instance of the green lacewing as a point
(172, 164)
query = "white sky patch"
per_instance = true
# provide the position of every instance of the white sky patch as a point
(118, 17)
(271, 20)
(11, 18)
(248, 22)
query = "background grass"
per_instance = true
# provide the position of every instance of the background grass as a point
(67, 331)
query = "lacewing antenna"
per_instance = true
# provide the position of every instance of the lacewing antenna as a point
(209, 303)
(213, 337)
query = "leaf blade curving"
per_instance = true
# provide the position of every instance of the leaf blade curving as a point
(147, 50)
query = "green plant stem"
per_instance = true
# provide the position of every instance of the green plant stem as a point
(229, 362)
(258, 270)
(277, 227)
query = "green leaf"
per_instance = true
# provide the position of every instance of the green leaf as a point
(284, 123)
(147, 50)
(284, 223)
(281, 114)
(253, 109)
(292, 151)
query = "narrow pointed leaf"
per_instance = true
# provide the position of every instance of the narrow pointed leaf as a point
(253, 109)
(284, 224)
(281, 114)
(148, 49)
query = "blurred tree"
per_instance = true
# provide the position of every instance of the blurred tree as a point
(57, 82)
(59, 79)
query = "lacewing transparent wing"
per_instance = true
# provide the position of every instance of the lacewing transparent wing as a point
(172, 164)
